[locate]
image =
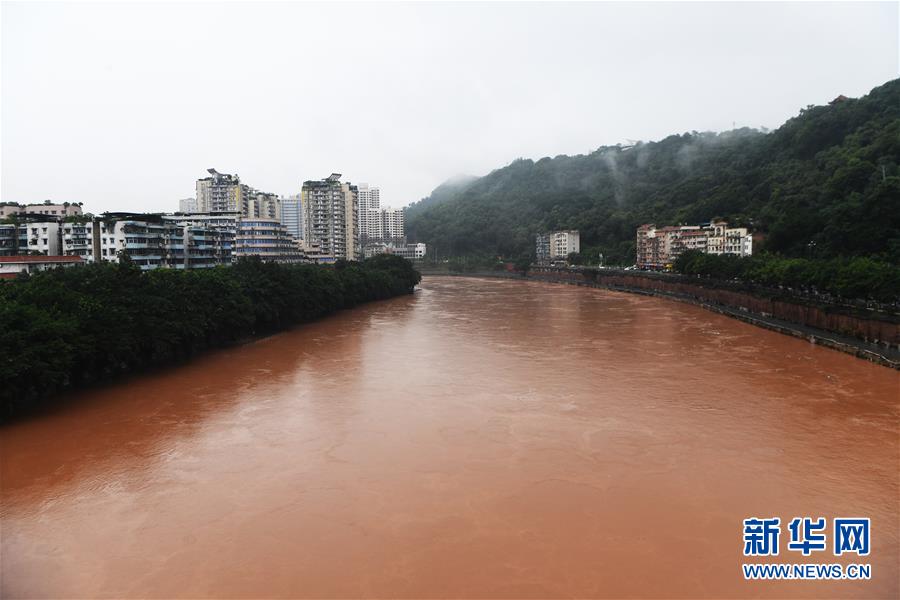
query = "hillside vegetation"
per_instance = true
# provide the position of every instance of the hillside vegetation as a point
(825, 184)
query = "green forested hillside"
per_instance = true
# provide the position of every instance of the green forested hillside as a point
(825, 184)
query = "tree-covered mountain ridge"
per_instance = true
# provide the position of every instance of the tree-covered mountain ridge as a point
(825, 184)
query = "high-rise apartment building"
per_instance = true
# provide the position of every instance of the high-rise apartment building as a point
(370, 224)
(392, 225)
(292, 216)
(220, 192)
(331, 217)
(187, 205)
(379, 227)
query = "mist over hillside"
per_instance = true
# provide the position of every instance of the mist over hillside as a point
(824, 184)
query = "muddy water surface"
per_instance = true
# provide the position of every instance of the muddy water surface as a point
(480, 439)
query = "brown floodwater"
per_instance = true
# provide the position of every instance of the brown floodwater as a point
(479, 439)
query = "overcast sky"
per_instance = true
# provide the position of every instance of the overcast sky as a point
(124, 106)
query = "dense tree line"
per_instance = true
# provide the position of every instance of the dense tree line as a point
(66, 328)
(850, 278)
(826, 184)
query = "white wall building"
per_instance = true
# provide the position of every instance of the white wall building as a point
(42, 237)
(723, 239)
(392, 224)
(292, 216)
(369, 213)
(564, 243)
(410, 251)
(188, 205)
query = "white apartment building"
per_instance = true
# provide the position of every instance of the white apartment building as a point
(410, 251)
(564, 243)
(77, 239)
(370, 228)
(188, 205)
(42, 237)
(30, 238)
(556, 245)
(723, 239)
(392, 224)
(292, 216)
(379, 227)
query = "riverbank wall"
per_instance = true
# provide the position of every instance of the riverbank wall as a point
(855, 329)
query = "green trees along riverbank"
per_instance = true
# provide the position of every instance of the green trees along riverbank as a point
(857, 278)
(67, 328)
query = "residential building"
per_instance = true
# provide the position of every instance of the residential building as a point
(564, 243)
(152, 242)
(312, 253)
(370, 222)
(77, 239)
(379, 226)
(188, 205)
(66, 209)
(263, 205)
(12, 266)
(221, 192)
(226, 221)
(729, 240)
(13, 239)
(267, 239)
(42, 237)
(556, 245)
(410, 251)
(292, 216)
(392, 225)
(542, 248)
(657, 248)
(30, 237)
(331, 217)
(209, 234)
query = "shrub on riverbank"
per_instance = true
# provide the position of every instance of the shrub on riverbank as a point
(850, 278)
(70, 327)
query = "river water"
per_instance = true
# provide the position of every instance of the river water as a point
(480, 439)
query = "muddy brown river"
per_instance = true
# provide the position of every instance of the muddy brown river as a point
(479, 439)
